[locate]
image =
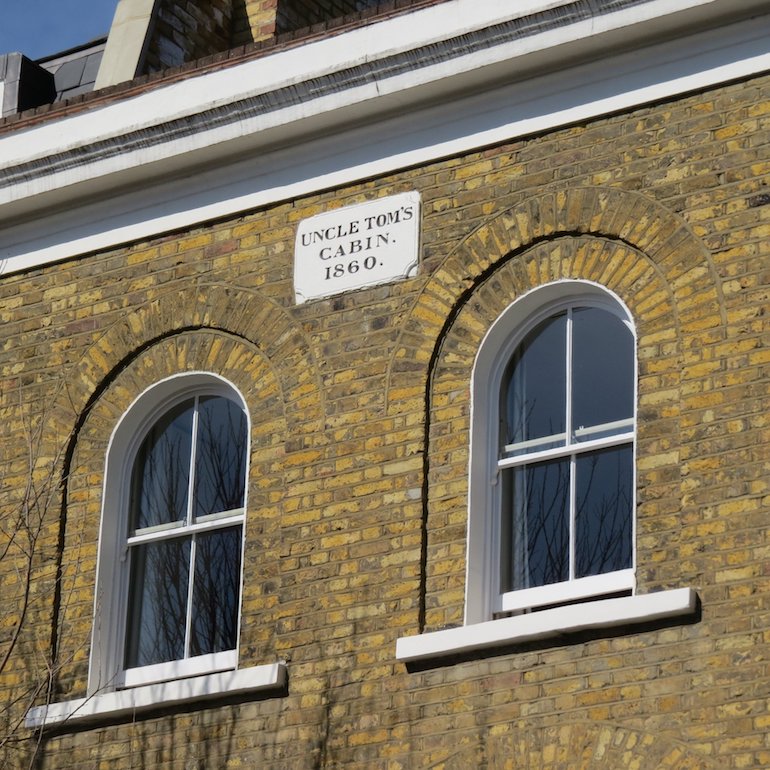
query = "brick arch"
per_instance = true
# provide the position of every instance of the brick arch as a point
(580, 746)
(621, 240)
(242, 313)
(203, 350)
(661, 236)
(266, 332)
(610, 263)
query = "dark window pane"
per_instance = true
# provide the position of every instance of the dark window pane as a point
(161, 472)
(216, 591)
(535, 525)
(158, 608)
(603, 531)
(602, 369)
(220, 463)
(534, 385)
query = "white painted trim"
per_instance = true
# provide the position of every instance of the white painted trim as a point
(482, 589)
(323, 57)
(111, 596)
(324, 152)
(137, 699)
(567, 591)
(178, 669)
(546, 624)
(360, 56)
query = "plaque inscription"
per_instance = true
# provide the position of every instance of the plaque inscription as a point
(356, 246)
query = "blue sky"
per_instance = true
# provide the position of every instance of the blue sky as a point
(39, 28)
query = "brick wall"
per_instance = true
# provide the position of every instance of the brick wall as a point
(253, 21)
(184, 31)
(303, 13)
(358, 484)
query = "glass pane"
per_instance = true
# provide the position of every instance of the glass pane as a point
(603, 511)
(602, 372)
(158, 607)
(535, 533)
(216, 591)
(220, 461)
(534, 388)
(161, 472)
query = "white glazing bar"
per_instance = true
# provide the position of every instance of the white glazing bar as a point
(572, 461)
(568, 377)
(582, 447)
(190, 588)
(190, 507)
(215, 517)
(519, 445)
(193, 456)
(604, 427)
(220, 521)
(581, 588)
(149, 533)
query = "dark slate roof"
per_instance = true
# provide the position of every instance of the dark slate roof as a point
(74, 71)
(28, 84)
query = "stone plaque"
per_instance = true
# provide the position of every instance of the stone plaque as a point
(363, 245)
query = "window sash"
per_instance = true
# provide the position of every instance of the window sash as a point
(191, 527)
(166, 532)
(569, 590)
(571, 587)
(193, 598)
(574, 442)
(178, 669)
(570, 449)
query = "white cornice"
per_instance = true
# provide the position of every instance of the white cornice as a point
(285, 125)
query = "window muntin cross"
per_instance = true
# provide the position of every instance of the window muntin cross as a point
(186, 513)
(565, 461)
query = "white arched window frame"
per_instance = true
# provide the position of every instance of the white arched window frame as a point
(118, 690)
(494, 615)
(486, 596)
(108, 664)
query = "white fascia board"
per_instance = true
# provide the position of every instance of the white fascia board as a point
(311, 60)
(135, 699)
(464, 124)
(265, 74)
(146, 114)
(547, 624)
(335, 145)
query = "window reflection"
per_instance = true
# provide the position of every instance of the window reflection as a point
(602, 519)
(185, 553)
(160, 478)
(566, 460)
(217, 588)
(220, 457)
(537, 514)
(602, 369)
(158, 607)
(535, 398)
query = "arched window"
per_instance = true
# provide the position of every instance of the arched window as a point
(551, 509)
(172, 535)
(552, 455)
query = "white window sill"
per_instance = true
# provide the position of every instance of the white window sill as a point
(136, 699)
(604, 613)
